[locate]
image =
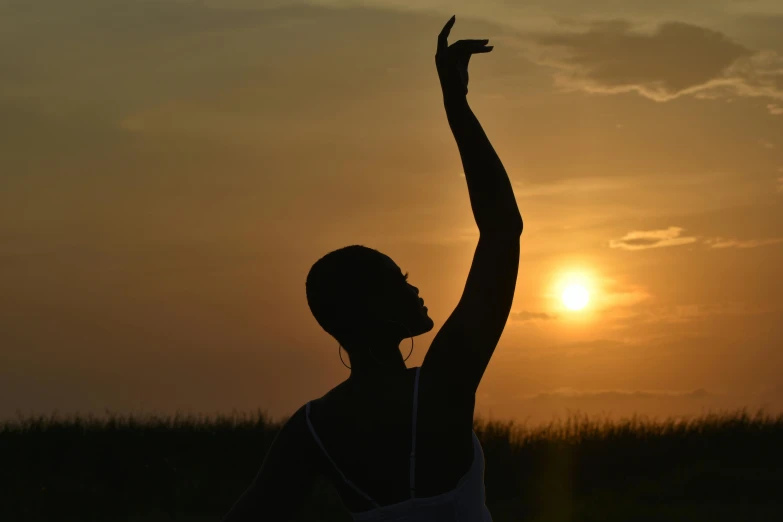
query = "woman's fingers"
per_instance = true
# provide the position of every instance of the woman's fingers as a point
(443, 37)
(470, 46)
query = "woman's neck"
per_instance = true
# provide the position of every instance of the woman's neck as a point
(369, 371)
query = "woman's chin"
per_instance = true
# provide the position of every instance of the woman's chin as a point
(427, 323)
(421, 323)
(431, 324)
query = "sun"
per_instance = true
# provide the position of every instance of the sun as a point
(575, 297)
(574, 293)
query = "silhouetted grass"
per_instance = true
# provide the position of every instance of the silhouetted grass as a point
(120, 468)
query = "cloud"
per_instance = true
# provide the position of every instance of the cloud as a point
(570, 393)
(571, 185)
(642, 240)
(674, 60)
(623, 298)
(616, 300)
(619, 403)
(720, 242)
(686, 313)
(530, 316)
(775, 110)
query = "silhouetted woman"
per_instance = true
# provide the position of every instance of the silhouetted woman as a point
(397, 442)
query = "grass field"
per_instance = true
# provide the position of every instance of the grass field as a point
(119, 468)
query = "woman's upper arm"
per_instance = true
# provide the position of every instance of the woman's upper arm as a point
(461, 350)
(286, 478)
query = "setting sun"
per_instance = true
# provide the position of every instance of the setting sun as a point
(575, 297)
(572, 289)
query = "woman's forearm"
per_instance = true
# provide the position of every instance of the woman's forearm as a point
(491, 196)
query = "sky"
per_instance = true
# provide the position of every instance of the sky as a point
(171, 169)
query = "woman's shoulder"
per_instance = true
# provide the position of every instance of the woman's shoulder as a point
(329, 404)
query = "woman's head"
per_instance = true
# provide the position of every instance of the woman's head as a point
(355, 291)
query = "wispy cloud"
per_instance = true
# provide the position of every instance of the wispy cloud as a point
(774, 109)
(720, 242)
(524, 316)
(570, 393)
(628, 297)
(687, 313)
(616, 300)
(645, 239)
(674, 60)
(571, 185)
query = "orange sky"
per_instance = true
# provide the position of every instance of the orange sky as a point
(170, 170)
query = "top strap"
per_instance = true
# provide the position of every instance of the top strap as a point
(413, 435)
(345, 479)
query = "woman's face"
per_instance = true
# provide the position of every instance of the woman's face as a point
(401, 301)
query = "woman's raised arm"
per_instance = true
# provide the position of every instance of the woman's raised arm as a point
(460, 352)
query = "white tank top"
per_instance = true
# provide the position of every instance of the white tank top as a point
(464, 503)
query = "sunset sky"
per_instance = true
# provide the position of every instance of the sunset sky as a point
(170, 170)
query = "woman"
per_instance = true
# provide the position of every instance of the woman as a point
(398, 443)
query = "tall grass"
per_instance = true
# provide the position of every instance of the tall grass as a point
(726, 466)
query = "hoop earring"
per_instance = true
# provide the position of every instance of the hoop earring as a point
(339, 353)
(341, 356)
(410, 334)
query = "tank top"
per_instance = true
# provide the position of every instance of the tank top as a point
(465, 503)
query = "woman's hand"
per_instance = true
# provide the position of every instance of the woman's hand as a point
(452, 60)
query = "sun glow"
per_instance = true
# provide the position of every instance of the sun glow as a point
(575, 297)
(573, 294)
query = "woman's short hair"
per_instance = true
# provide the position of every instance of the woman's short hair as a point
(341, 284)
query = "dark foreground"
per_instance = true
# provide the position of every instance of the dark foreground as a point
(713, 468)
